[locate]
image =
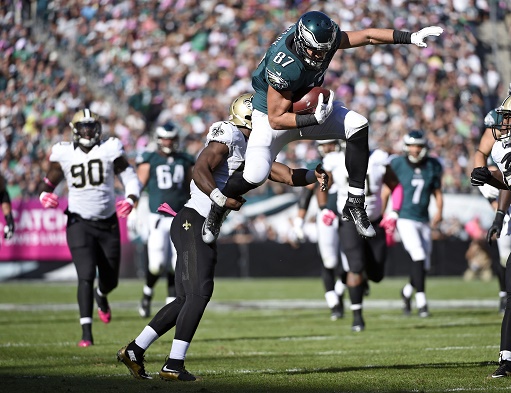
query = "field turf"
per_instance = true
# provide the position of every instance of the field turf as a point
(259, 335)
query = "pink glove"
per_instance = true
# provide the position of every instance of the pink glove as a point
(165, 208)
(49, 200)
(328, 217)
(124, 207)
(388, 223)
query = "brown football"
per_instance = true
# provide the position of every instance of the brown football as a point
(305, 100)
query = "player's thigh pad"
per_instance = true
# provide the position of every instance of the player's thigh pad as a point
(409, 231)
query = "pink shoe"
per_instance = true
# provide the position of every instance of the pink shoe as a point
(85, 343)
(105, 317)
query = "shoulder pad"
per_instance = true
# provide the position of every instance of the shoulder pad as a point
(221, 131)
(490, 118)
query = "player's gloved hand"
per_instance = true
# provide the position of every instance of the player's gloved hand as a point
(49, 200)
(489, 192)
(298, 229)
(124, 207)
(165, 208)
(9, 227)
(418, 37)
(496, 226)
(328, 217)
(323, 110)
(480, 176)
(388, 222)
(322, 177)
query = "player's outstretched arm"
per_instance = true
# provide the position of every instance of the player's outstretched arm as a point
(298, 177)
(353, 39)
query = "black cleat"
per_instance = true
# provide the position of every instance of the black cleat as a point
(358, 324)
(504, 370)
(337, 312)
(354, 211)
(145, 307)
(134, 364)
(407, 304)
(176, 374)
(213, 223)
(423, 311)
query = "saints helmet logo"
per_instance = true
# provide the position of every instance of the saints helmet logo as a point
(217, 131)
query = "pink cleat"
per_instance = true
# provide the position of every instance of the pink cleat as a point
(105, 317)
(85, 343)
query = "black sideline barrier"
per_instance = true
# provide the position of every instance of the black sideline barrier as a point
(269, 259)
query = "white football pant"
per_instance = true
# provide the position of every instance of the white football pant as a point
(161, 252)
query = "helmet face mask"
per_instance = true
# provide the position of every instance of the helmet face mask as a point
(167, 137)
(86, 128)
(240, 111)
(415, 146)
(501, 130)
(314, 37)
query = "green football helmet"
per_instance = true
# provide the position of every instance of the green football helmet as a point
(314, 37)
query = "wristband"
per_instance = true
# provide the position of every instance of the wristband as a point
(402, 37)
(500, 212)
(306, 120)
(49, 183)
(322, 207)
(217, 197)
(310, 177)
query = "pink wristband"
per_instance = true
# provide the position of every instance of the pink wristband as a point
(49, 183)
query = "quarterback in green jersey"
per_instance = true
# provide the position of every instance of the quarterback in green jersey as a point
(298, 59)
(420, 176)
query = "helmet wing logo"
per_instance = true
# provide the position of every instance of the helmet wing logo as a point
(276, 80)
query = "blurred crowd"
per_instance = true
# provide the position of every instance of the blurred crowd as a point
(138, 63)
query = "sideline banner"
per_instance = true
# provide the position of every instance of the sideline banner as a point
(40, 234)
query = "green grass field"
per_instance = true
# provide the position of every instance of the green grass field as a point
(259, 335)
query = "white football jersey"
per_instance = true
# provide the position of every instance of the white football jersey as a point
(228, 134)
(498, 151)
(89, 176)
(378, 160)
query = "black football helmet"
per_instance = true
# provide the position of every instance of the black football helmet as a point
(169, 130)
(501, 130)
(86, 128)
(415, 137)
(315, 32)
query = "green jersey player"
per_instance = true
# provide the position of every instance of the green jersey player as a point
(298, 59)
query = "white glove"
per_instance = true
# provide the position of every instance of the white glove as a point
(323, 110)
(298, 229)
(418, 37)
(489, 191)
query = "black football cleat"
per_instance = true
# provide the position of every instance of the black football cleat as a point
(145, 307)
(135, 364)
(407, 304)
(176, 374)
(423, 311)
(504, 370)
(337, 312)
(354, 211)
(358, 324)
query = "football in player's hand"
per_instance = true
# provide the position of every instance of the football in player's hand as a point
(305, 100)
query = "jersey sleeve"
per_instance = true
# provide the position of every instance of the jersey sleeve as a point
(115, 148)
(143, 158)
(59, 151)
(438, 171)
(329, 162)
(221, 132)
